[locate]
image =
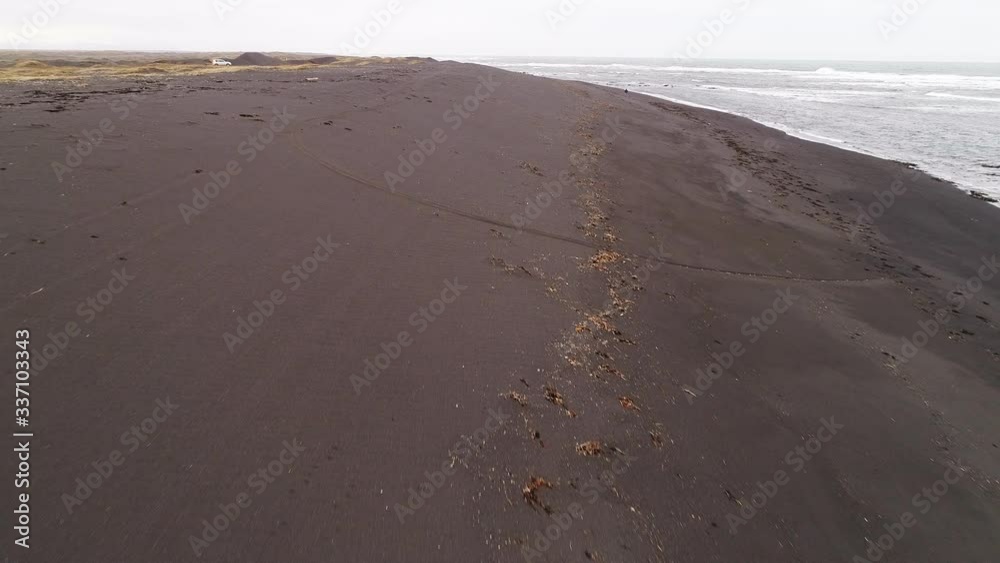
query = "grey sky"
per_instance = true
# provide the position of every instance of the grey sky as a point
(956, 30)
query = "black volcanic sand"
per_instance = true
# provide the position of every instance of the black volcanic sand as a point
(256, 59)
(587, 328)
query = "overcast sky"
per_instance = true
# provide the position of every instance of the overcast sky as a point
(937, 30)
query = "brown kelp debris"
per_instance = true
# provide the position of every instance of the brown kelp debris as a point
(554, 397)
(518, 398)
(603, 259)
(628, 404)
(592, 447)
(601, 322)
(606, 368)
(530, 492)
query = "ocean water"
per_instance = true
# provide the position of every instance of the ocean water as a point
(943, 117)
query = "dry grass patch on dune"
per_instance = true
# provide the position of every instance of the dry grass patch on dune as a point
(31, 69)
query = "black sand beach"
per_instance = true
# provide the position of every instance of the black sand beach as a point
(431, 311)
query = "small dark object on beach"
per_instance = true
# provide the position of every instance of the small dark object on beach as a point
(983, 197)
(530, 492)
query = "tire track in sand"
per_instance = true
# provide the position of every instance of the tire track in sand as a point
(299, 144)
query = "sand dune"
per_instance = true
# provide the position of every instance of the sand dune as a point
(41, 65)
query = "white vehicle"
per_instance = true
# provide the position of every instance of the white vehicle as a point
(221, 62)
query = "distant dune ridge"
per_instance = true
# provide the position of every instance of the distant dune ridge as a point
(35, 65)
(260, 59)
(324, 60)
(122, 58)
(257, 59)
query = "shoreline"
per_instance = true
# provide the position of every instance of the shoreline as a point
(835, 143)
(965, 168)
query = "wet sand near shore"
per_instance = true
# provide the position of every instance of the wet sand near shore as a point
(431, 311)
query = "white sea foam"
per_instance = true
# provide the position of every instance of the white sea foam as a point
(794, 132)
(960, 97)
(936, 168)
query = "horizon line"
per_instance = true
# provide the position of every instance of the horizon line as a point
(453, 55)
